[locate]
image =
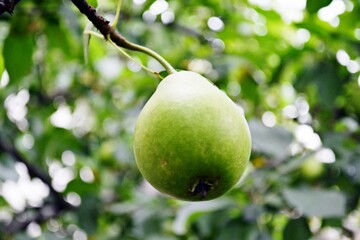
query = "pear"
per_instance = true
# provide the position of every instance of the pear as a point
(191, 141)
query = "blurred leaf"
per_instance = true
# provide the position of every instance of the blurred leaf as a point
(18, 50)
(252, 212)
(147, 220)
(52, 236)
(272, 141)
(235, 229)
(264, 236)
(313, 6)
(159, 237)
(320, 203)
(297, 229)
(48, 145)
(57, 39)
(88, 213)
(354, 165)
(333, 222)
(123, 208)
(249, 90)
(7, 170)
(81, 187)
(327, 79)
(189, 210)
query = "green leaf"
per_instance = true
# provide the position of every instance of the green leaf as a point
(88, 213)
(188, 211)
(297, 229)
(246, 231)
(250, 90)
(273, 141)
(18, 51)
(252, 213)
(312, 6)
(7, 169)
(81, 187)
(57, 39)
(320, 203)
(327, 79)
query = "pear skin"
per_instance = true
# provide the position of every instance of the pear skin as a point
(191, 141)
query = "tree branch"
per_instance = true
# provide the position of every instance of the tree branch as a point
(99, 22)
(33, 171)
(8, 6)
(109, 32)
(103, 25)
(105, 29)
(47, 211)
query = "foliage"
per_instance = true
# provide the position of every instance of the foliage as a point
(293, 68)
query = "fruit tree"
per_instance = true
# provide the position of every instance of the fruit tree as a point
(169, 119)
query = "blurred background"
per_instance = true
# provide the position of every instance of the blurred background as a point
(67, 169)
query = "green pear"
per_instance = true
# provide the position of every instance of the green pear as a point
(191, 141)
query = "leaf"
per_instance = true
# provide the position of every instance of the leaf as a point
(315, 5)
(297, 229)
(57, 38)
(326, 78)
(18, 50)
(88, 213)
(81, 188)
(320, 203)
(123, 208)
(273, 141)
(7, 170)
(250, 90)
(252, 213)
(184, 215)
(235, 228)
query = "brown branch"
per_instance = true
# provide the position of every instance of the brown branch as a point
(103, 25)
(108, 31)
(46, 212)
(33, 171)
(8, 6)
(98, 21)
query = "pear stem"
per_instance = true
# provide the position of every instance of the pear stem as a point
(107, 30)
(129, 57)
(155, 55)
(98, 35)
